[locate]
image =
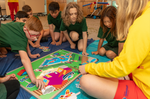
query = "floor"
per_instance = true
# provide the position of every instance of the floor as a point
(93, 26)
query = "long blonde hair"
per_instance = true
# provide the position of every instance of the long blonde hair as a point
(128, 11)
(66, 13)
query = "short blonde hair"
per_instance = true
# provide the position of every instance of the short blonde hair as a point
(34, 24)
(128, 11)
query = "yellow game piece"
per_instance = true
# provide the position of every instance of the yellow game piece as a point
(64, 72)
(48, 76)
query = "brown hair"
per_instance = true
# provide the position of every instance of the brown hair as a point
(34, 24)
(109, 12)
(128, 11)
(26, 8)
(66, 13)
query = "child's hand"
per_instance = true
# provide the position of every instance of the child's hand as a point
(53, 42)
(85, 53)
(8, 77)
(40, 84)
(37, 44)
(58, 43)
(82, 69)
(34, 55)
(73, 46)
(1, 56)
(96, 52)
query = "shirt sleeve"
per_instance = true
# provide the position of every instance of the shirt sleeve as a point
(17, 48)
(100, 33)
(49, 19)
(20, 44)
(63, 26)
(135, 50)
(84, 27)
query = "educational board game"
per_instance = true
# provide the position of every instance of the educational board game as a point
(57, 70)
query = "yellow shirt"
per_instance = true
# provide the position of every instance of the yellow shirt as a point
(134, 58)
(12, 0)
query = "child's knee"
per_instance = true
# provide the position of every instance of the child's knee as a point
(80, 48)
(111, 54)
(102, 51)
(83, 81)
(57, 37)
(74, 36)
(64, 39)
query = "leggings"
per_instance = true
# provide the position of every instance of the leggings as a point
(13, 6)
(12, 88)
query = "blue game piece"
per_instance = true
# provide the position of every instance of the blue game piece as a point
(93, 60)
(25, 73)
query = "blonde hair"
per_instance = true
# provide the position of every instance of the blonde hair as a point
(66, 13)
(128, 11)
(34, 24)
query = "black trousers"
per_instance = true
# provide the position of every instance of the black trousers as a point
(12, 87)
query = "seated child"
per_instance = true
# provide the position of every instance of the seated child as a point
(9, 87)
(21, 16)
(54, 18)
(74, 27)
(16, 35)
(100, 80)
(28, 10)
(107, 31)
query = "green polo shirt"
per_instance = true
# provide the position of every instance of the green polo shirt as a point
(78, 27)
(3, 92)
(56, 21)
(110, 38)
(12, 35)
(36, 16)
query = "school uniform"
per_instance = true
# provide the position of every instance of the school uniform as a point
(9, 89)
(55, 21)
(36, 16)
(12, 35)
(77, 27)
(112, 42)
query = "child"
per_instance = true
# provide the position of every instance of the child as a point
(107, 31)
(13, 5)
(21, 16)
(9, 87)
(74, 27)
(133, 22)
(54, 18)
(16, 35)
(28, 10)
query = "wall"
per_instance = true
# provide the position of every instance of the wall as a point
(62, 4)
(86, 9)
(37, 8)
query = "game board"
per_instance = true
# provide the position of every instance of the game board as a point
(57, 70)
(73, 91)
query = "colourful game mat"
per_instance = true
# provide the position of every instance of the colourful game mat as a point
(12, 61)
(57, 70)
